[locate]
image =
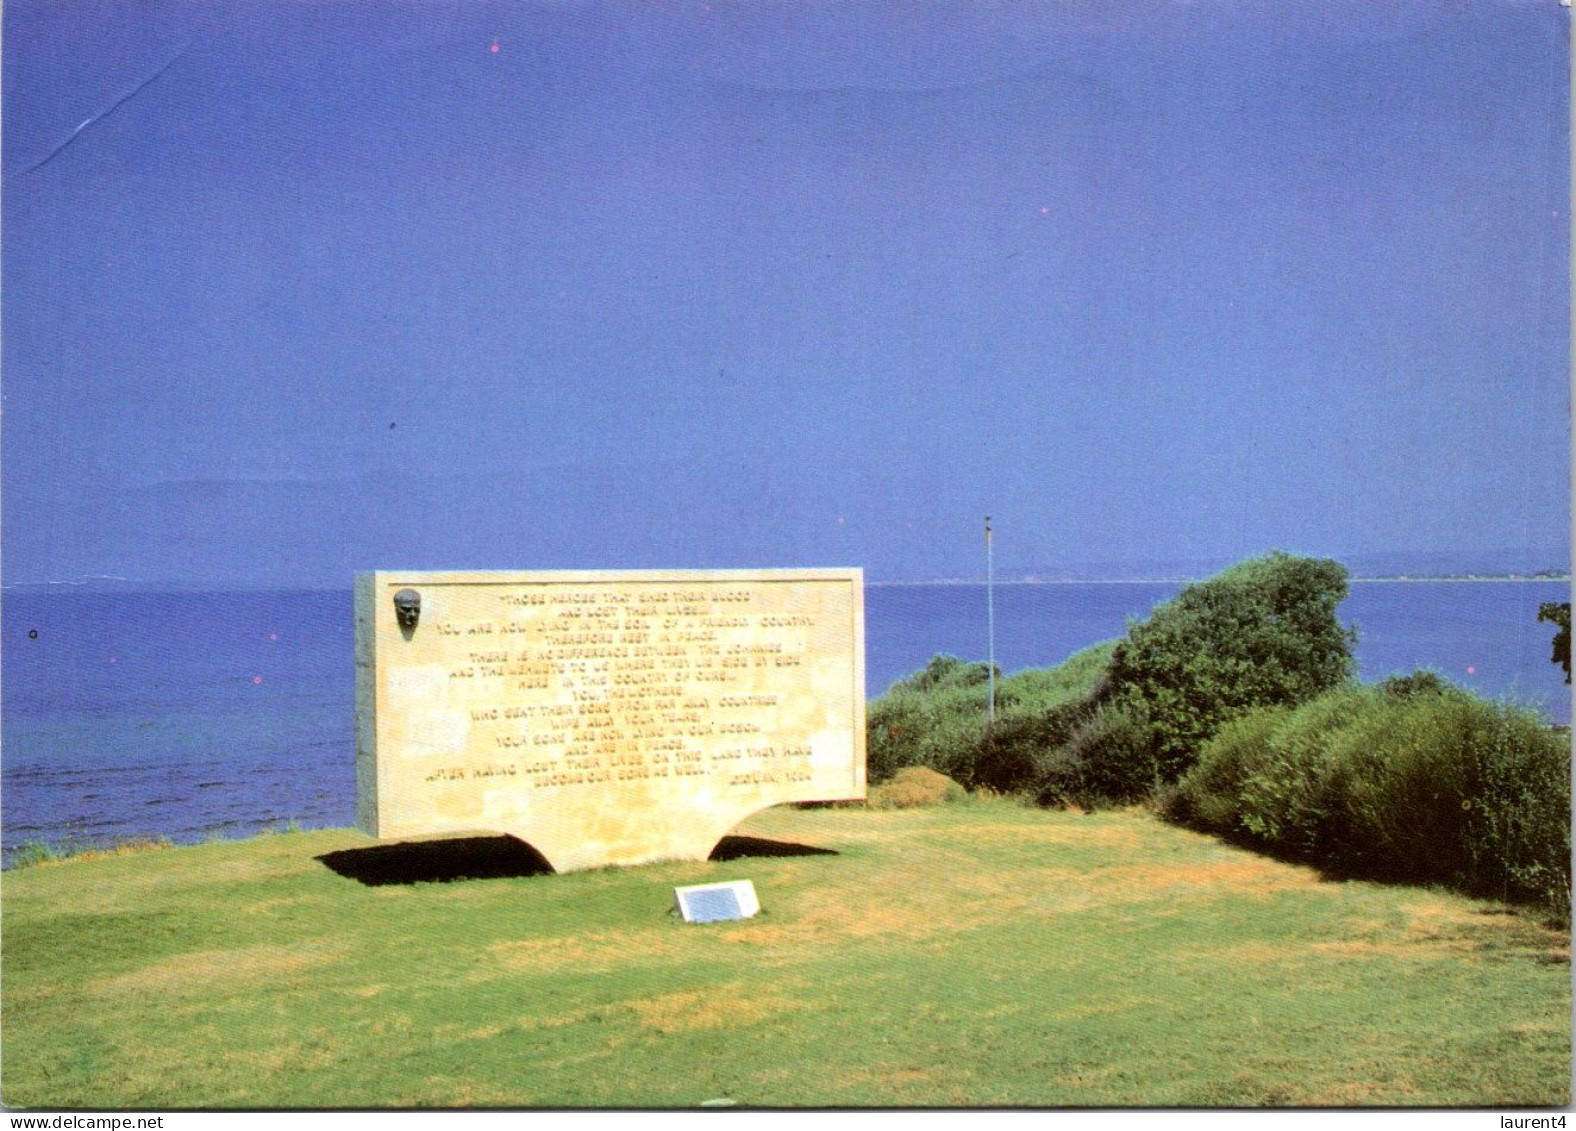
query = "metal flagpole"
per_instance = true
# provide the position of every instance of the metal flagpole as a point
(990, 625)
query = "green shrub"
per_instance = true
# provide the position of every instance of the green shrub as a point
(940, 729)
(1415, 780)
(1076, 678)
(1456, 788)
(1058, 779)
(31, 853)
(946, 671)
(1424, 681)
(1209, 796)
(1262, 633)
(1011, 753)
(937, 718)
(1116, 721)
(1283, 795)
(1039, 713)
(1109, 759)
(1520, 831)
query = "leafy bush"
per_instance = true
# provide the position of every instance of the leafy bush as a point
(31, 853)
(1262, 633)
(1209, 796)
(946, 671)
(939, 728)
(1117, 720)
(1558, 613)
(1520, 831)
(1424, 681)
(1415, 780)
(1110, 758)
(936, 718)
(1282, 796)
(1010, 754)
(1456, 788)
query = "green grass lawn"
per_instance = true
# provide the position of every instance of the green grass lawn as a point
(969, 954)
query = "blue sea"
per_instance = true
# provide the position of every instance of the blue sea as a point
(191, 715)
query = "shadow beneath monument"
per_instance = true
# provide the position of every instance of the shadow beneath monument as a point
(745, 847)
(501, 858)
(439, 861)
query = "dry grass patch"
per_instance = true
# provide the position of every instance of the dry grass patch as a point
(1069, 833)
(1425, 931)
(1489, 928)
(1279, 954)
(723, 1007)
(842, 917)
(943, 890)
(453, 1034)
(531, 1024)
(1390, 1093)
(1236, 875)
(597, 953)
(451, 1092)
(1431, 918)
(889, 1081)
(205, 972)
(271, 906)
(1088, 832)
(1398, 948)
(390, 1024)
(279, 1058)
(108, 852)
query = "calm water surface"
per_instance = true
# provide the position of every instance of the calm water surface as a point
(188, 715)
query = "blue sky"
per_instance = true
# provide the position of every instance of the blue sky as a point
(576, 285)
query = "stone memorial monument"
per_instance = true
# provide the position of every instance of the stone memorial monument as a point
(605, 718)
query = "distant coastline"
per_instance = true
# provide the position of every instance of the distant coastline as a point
(1476, 577)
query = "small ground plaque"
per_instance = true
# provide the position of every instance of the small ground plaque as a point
(605, 718)
(712, 903)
